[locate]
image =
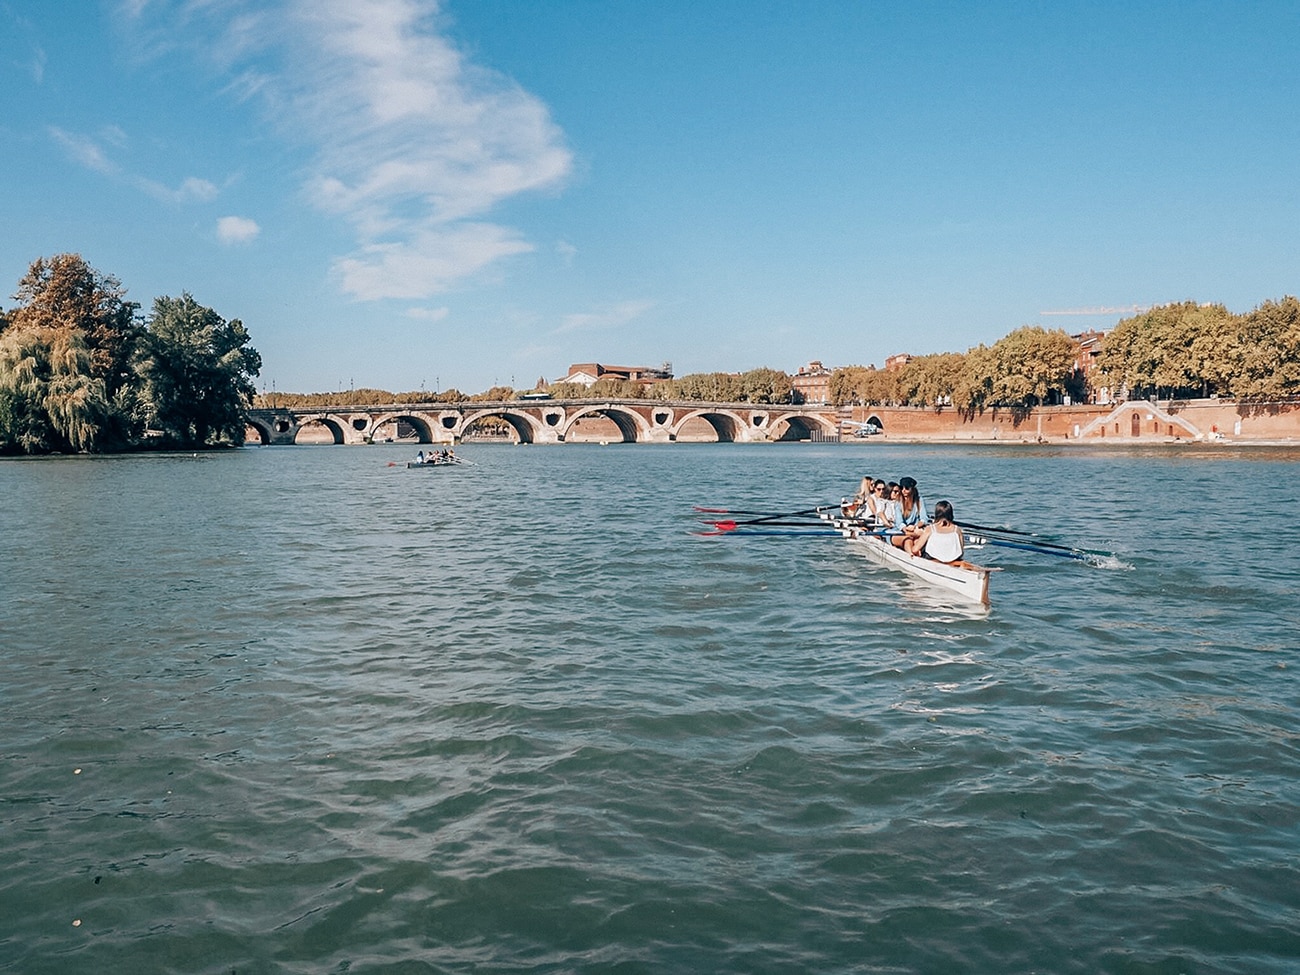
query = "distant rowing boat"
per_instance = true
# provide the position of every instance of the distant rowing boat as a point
(968, 580)
(454, 462)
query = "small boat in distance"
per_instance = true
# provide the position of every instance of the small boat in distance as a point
(436, 458)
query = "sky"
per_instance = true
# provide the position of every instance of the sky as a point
(414, 194)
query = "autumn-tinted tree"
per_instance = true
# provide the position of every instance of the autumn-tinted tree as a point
(196, 371)
(496, 394)
(66, 294)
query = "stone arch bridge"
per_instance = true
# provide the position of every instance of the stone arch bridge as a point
(551, 421)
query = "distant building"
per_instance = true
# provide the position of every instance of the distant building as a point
(589, 373)
(1089, 345)
(812, 383)
(897, 362)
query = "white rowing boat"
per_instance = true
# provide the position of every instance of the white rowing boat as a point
(455, 462)
(968, 580)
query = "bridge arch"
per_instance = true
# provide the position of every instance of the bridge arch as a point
(632, 426)
(800, 426)
(334, 424)
(727, 424)
(262, 427)
(526, 428)
(421, 422)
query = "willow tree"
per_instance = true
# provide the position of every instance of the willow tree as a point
(196, 373)
(49, 401)
(65, 294)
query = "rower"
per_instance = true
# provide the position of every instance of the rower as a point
(910, 511)
(853, 507)
(940, 540)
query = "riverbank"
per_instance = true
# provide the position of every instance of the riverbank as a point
(1210, 421)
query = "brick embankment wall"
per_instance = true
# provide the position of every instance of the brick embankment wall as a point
(1136, 420)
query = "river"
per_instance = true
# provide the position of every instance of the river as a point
(298, 710)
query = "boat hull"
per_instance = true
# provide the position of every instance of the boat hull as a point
(969, 581)
(437, 465)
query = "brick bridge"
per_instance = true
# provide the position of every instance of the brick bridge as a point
(551, 421)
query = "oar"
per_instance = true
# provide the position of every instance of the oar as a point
(1045, 546)
(761, 515)
(728, 526)
(761, 531)
(1060, 550)
(989, 528)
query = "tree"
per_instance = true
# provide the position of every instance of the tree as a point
(1269, 354)
(48, 399)
(1030, 366)
(497, 394)
(932, 380)
(66, 294)
(764, 385)
(196, 373)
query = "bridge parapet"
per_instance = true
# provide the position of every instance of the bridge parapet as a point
(549, 421)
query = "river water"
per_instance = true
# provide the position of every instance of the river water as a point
(297, 710)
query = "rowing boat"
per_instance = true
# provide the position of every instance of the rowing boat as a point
(433, 463)
(968, 580)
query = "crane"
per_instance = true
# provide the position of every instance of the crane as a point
(1105, 310)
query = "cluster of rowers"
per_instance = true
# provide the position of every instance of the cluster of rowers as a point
(896, 511)
(444, 456)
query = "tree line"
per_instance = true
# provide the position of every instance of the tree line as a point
(755, 386)
(82, 370)
(1180, 350)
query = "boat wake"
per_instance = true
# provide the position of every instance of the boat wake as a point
(1109, 562)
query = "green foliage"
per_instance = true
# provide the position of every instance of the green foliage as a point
(196, 373)
(1031, 367)
(1267, 355)
(49, 401)
(1190, 349)
(352, 397)
(567, 390)
(615, 389)
(764, 385)
(496, 394)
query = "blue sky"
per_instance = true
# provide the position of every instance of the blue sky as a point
(406, 193)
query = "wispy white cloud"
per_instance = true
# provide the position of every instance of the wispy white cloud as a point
(94, 154)
(237, 230)
(411, 142)
(18, 44)
(428, 262)
(428, 314)
(611, 317)
(84, 151)
(415, 144)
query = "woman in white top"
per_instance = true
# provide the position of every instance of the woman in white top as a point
(887, 513)
(940, 540)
